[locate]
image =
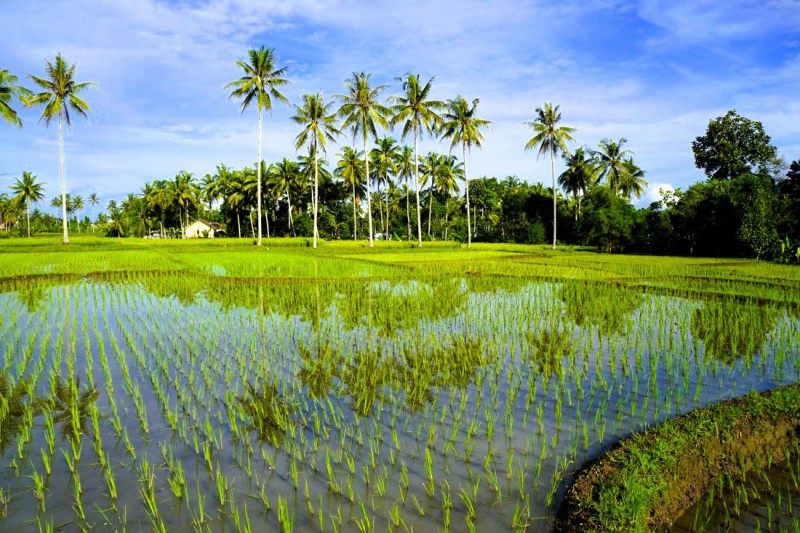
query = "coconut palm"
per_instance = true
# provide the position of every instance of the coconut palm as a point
(631, 182)
(27, 190)
(260, 82)
(446, 181)
(418, 114)
(283, 178)
(77, 206)
(610, 162)
(318, 127)
(551, 138)
(184, 194)
(461, 125)
(94, 201)
(578, 176)
(405, 170)
(59, 96)
(362, 112)
(430, 167)
(8, 91)
(384, 163)
(351, 169)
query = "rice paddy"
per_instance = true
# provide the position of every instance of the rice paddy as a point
(210, 386)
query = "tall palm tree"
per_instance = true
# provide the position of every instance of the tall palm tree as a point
(384, 160)
(580, 173)
(283, 178)
(405, 170)
(610, 161)
(260, 82)
(362, 113)
(60, 95)
(319, 126)
(8, 91)
(351, 169)
(446, 181)
(430, 167)
(551, 138)
(418, 114)
(94, 201)
(184, 194)
(27, 190)
(631, 182)
(461, 125)
(77, 206)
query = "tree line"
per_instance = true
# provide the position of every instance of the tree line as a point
(746, 207)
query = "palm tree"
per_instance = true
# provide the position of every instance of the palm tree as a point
(260, 83)
(94, 201)
(8, 90)
(610, 161)
(184, 194)
(27, 190)
(632, 180)
(578, 176)
(462, 126)
(77, 205)
(59, 96)
(318, 128)
(446, 181)
(549, 137)
(430, 169)
(418, 113)
(283, 178)
(405, 169)
(351, 169)
(361, 112)
(384, 157)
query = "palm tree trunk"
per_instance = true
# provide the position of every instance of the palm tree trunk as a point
(239, 223)
(466, 179)
(408, 218)
(291, 220)
(258, 173)
(28, 210)
(63, 180)
(355, 218)
(430, 207)
(553, 173)
(250, 218)
(266, 220)
(416, 181)
(316, 196)
(369, 200)
(380, 206)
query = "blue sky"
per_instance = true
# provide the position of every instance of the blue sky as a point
(652, 71)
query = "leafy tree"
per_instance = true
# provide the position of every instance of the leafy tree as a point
(608, 220)
(8, 91)
(732, 145)
(260, 82)
(418, 113)
(318, 127)
(361, 112)
(550, 138)
(461, 125)
(59, 96)
(631, 182)
(28, 190)
(758, 221)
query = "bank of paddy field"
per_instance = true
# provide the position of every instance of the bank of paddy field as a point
(211, 385)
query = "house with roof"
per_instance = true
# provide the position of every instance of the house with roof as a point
(202, 228)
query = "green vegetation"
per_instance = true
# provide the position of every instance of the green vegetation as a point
(229, 386)
(646, 481)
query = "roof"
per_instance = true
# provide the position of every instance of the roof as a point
(212, 225)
